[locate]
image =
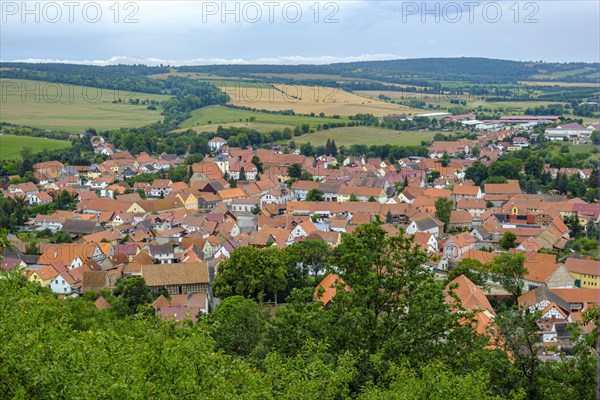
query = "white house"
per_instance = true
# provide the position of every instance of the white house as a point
(427, 224)
(40, 198)
(216, 143)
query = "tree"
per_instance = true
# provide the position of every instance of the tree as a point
(315, 195)
(389, 218)
(534, 167)
(353, 197)
(575, 228)
(472, 269)
(27, 159)
(294, 171)
(508, 240)
(131, 294)
(242, 174)
(253, 273)
(386, 305)
(477, 172)
(259, 165)
(531, 187)
(4, 242)
(310, 257)
(591, 230)
(443, 209)
(237, 325)
(509, 270)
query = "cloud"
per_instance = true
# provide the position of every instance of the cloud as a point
(282, 60)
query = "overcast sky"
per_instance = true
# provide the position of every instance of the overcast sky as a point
(196, 32)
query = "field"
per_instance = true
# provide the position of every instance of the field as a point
(563, 74)
(217, 115)
(72, 108)
(257, 126)
(575, 149)
(348, 136)
(561, 84)
(10, 145)
(443, 101)
(318, 99)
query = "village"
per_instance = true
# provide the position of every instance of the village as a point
(175, 234)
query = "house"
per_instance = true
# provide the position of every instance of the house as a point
(176, 279)
(458, 245)
(79, 227)
(216, 143)
(161, 188)
(499, 193)
(72, 255)
(475, 207)
(181, 306)
(585, 272)
(64, 283)
(326, 290)
(466, 192)
(163, 253)
(567, 299)
(40, 198)
(427, 224)
(471, 298)
(460, 219)
(250, 170)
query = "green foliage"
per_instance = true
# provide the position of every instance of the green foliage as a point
(294, 171)
(508, 240)
(252, 273)
(237, 325)
(472, 269)
(443, 209)
(508, 270)
(315, 195)
(131, 294)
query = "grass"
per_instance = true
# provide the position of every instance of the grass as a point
(72, 108)
(219, 115)
(257, 126)
(348, 136)
(575, 149)
(10, 146)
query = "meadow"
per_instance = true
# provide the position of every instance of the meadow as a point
(203, 118)
(10, 145)
(72, 108)
(347, 136)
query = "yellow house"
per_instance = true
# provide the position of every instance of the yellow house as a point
(44, 276)
(189, 200)
(135, 208)
(585, 272)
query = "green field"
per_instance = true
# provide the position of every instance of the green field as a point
(348, 136)
(10, 145)
(575, 149)
(72, 108)
(216, 115)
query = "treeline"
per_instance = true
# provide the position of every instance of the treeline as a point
(11, 129)
(528, 167)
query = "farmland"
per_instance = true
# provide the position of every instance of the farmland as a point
(72, 108)
(215, 115)
(348, 136)
(317, 99)
(443, 101)
(10, 145)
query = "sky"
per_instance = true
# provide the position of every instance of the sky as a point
(295, 32)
